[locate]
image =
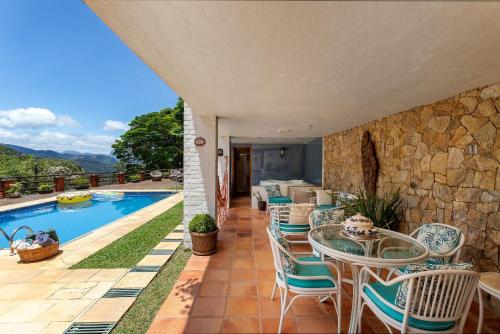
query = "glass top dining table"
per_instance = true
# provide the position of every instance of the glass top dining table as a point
(388, 249)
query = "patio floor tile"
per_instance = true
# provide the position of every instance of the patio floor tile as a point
(242, 307)
(23, 328)
(154, 260)
(135, 280)
(209, 307)
(107, 310)
(271, 326)
(204, 325)
(243, 289)
(75, 290)
(241, 325)
(213, 289)
(108, 275)
(50, 276)
(64, 311)
(79, 275)
(56, 327)
(25, 312)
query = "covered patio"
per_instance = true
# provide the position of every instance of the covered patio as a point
(263, 81)
(229, 292)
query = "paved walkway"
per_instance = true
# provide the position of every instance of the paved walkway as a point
(230, 291)
(47, 296)
(164, 184)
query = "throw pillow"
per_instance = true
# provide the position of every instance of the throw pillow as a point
(324, 197)
(299, 213)
(273, 190)
(288, 264)
(440, 239)
(402, 293)
(326, 216)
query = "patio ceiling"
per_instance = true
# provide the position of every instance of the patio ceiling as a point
(309, 69)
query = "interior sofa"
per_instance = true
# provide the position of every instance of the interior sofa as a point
(288, 188)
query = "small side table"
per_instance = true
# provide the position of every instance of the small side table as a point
(490, 284)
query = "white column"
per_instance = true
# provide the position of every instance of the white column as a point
(200, 170)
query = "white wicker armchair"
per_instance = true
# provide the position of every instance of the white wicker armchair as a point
(436, 300)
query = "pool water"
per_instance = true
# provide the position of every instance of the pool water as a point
(73, 220)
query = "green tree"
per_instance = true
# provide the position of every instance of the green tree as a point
(154, 140)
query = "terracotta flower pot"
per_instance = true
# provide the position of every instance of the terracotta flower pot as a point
(204, 243)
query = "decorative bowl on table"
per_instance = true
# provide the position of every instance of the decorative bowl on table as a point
(359, 226)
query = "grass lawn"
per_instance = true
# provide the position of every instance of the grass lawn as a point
(127, 251)
(139, 317)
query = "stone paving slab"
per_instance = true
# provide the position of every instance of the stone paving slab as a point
(107, 310)
(112, 309)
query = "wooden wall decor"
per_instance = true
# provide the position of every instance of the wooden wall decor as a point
(369, 163)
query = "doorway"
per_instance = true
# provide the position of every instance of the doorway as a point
(242, 169)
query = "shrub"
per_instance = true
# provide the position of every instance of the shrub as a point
(135, 177)
(45, 187)
(15, 188)
(383, 211)
(57, 170)
(79, 181)
(202, 223)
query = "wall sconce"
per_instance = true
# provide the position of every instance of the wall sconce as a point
(283, 152)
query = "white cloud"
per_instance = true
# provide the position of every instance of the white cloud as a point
(34, 118)
(112, 125)
(67, 121)
(59, 141)
(5, 134)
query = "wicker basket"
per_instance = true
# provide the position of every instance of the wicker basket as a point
(38, 254)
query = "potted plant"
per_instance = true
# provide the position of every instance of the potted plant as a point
(45, 188)
(14, 190)
(135, 178)
(261, 204)
(382, 210)
(80, 183)
(203, 231)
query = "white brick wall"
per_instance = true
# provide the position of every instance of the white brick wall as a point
(199, 167)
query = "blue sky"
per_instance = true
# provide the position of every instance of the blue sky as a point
(67, 82)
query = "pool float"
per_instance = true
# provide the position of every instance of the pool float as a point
(108, 196)
(74, 197)
(66, 207)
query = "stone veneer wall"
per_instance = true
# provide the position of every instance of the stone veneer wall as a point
(425, 152)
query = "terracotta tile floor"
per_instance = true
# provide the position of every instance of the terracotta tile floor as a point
(230, 291)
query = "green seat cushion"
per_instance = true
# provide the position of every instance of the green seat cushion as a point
(280, 200)
(389, 294)
(326, 207)
(285, 227)
(305, 270)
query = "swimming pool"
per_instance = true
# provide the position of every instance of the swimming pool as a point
(72, 221)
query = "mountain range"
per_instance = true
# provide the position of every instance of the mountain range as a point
(91, 163)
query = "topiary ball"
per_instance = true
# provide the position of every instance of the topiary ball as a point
(202, 223)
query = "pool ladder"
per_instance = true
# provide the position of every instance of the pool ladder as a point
(11, 238)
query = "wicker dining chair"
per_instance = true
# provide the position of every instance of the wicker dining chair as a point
(434, 301)
(304, 276)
